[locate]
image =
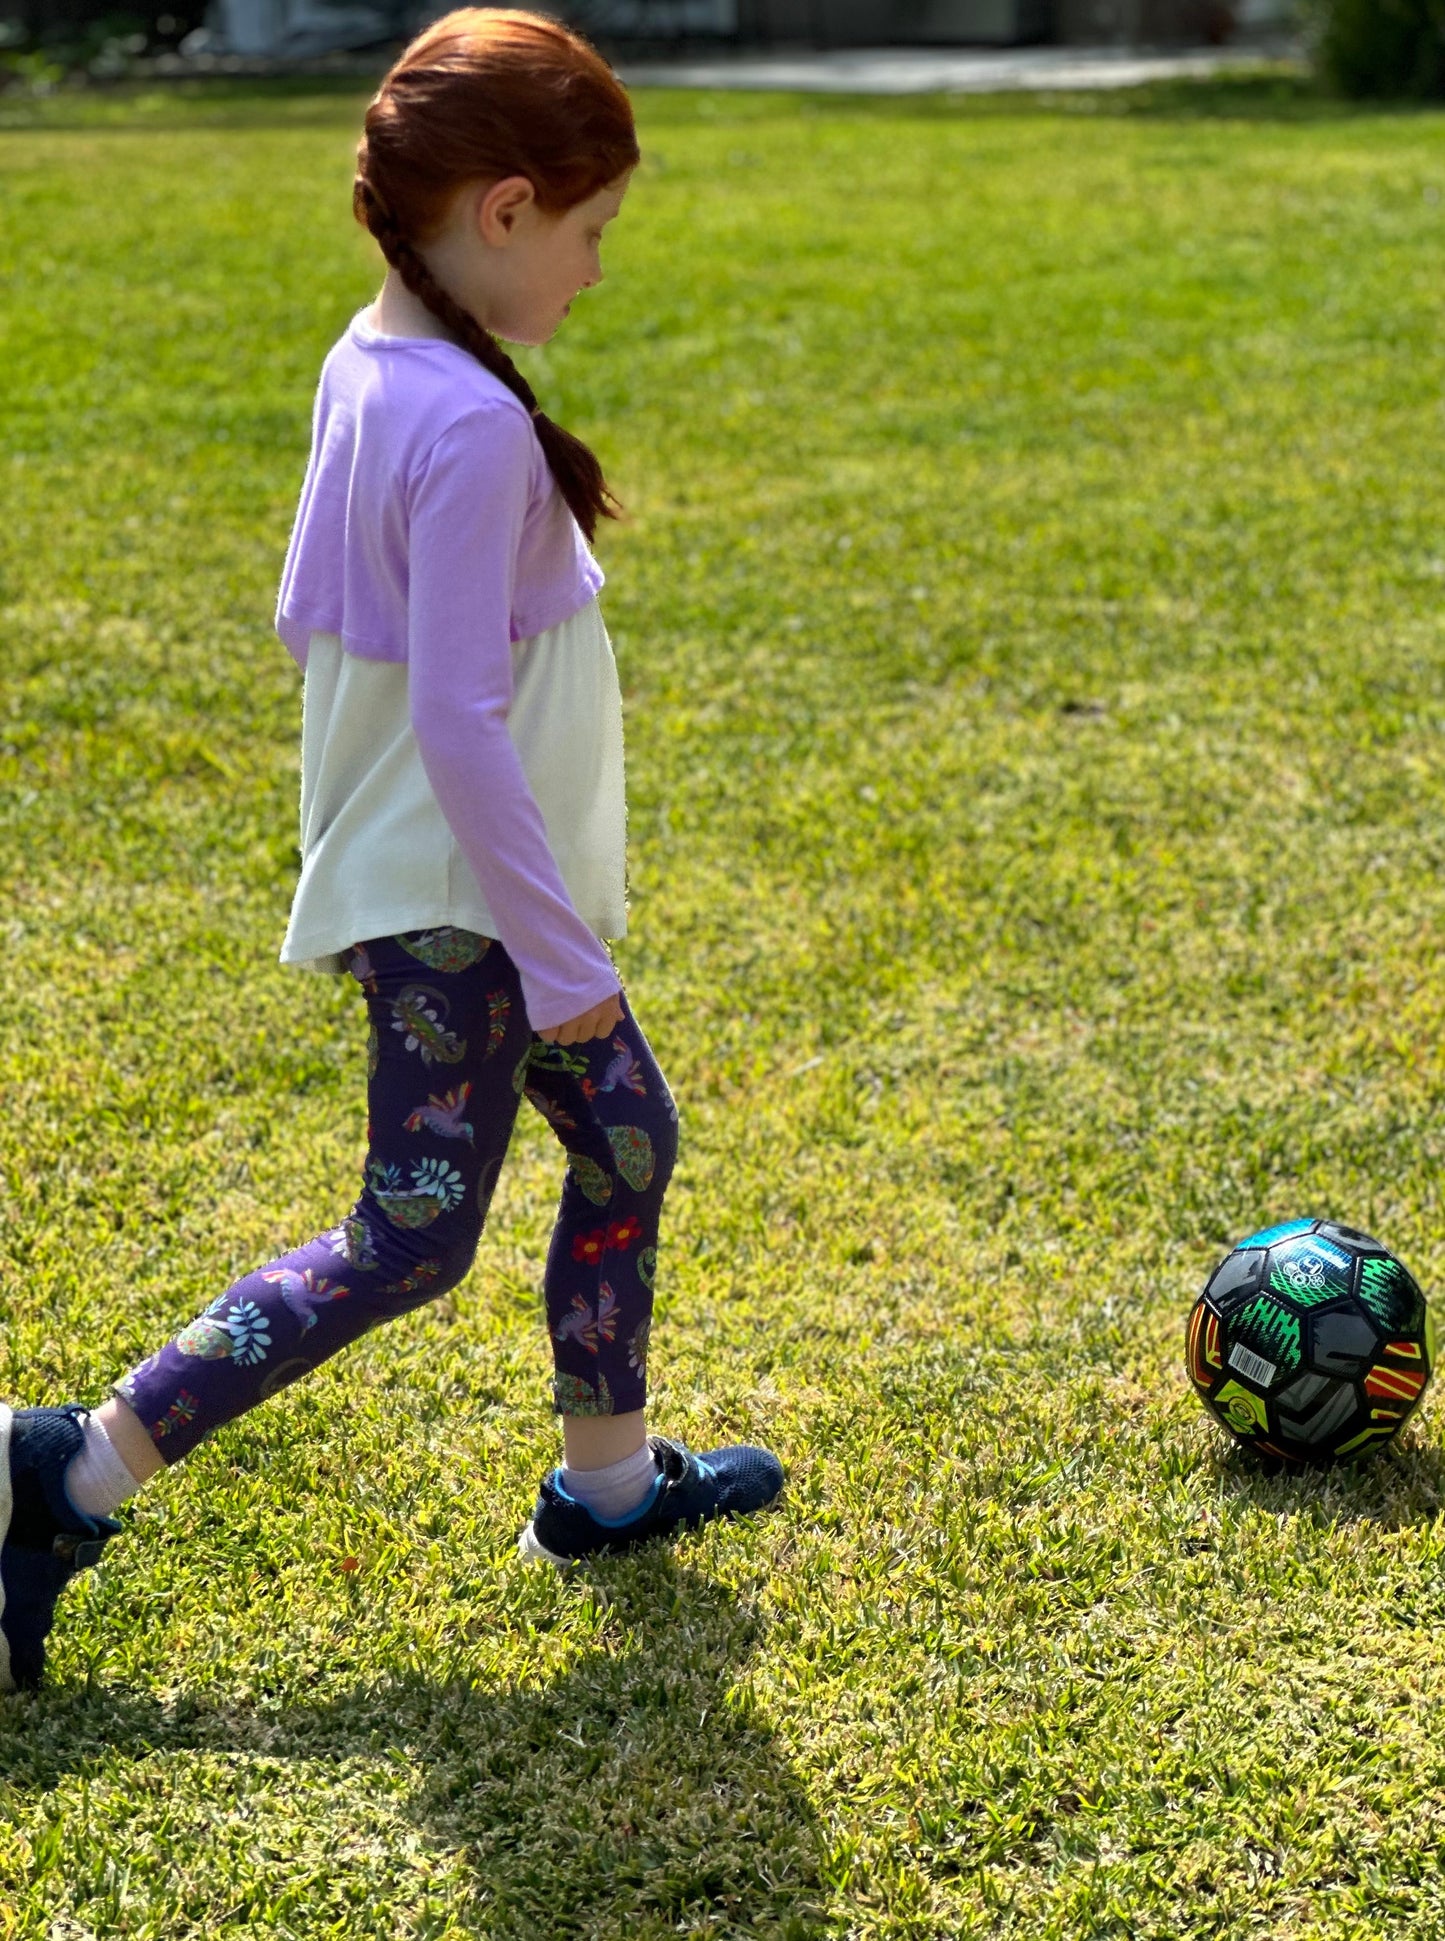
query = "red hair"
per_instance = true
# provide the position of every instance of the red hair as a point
(484, 93)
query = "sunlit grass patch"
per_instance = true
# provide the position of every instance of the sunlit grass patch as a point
(1029, 618)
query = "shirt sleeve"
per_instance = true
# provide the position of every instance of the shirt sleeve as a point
(468, 502)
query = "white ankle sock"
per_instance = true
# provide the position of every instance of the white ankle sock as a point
(613, 1491)
(97, 1480)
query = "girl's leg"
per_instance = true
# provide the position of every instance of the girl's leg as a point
(609, 1105)
(448, 1031)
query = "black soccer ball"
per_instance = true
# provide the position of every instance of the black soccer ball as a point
(1311, 1342)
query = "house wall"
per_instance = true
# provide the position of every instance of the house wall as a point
(831, 23)
(881, 23)
(1096, 22)
(861, 23)
(639, 18)
(1152, 22)
(1001, 22)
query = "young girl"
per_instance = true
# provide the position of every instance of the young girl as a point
(462, 833)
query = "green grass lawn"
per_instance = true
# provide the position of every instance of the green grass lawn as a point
(1030, 622)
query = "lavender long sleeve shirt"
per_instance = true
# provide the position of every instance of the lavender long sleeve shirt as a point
(430, 532)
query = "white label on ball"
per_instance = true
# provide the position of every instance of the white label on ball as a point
(1252, 1366)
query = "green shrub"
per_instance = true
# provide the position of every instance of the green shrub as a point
(1382, 47)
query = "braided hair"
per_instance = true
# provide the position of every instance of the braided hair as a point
(482, 94)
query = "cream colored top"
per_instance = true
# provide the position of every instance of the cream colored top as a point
(377, 854)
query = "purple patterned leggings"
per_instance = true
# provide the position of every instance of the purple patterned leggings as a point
(452, 1056)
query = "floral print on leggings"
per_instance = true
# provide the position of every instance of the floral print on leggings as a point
(451, 1058)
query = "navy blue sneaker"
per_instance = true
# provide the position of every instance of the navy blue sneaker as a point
(690, 1491)
(44, 1539)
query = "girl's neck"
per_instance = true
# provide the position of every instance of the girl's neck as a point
(397, 313)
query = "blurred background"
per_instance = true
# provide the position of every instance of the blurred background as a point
(804, 23)
(111, 32)
(1366, 49)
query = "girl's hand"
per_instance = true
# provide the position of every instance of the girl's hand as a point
(600, 1022)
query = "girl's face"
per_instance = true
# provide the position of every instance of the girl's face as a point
(527, 265)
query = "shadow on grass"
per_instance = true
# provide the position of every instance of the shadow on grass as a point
(640, 1791)
(1395, 1490)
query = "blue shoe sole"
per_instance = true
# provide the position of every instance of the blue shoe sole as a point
(7, 1503)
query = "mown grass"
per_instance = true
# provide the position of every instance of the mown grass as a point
(1030, 623)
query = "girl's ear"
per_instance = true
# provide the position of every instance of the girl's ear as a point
(500, 208)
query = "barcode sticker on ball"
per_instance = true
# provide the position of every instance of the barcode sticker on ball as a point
(1253, 1367)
